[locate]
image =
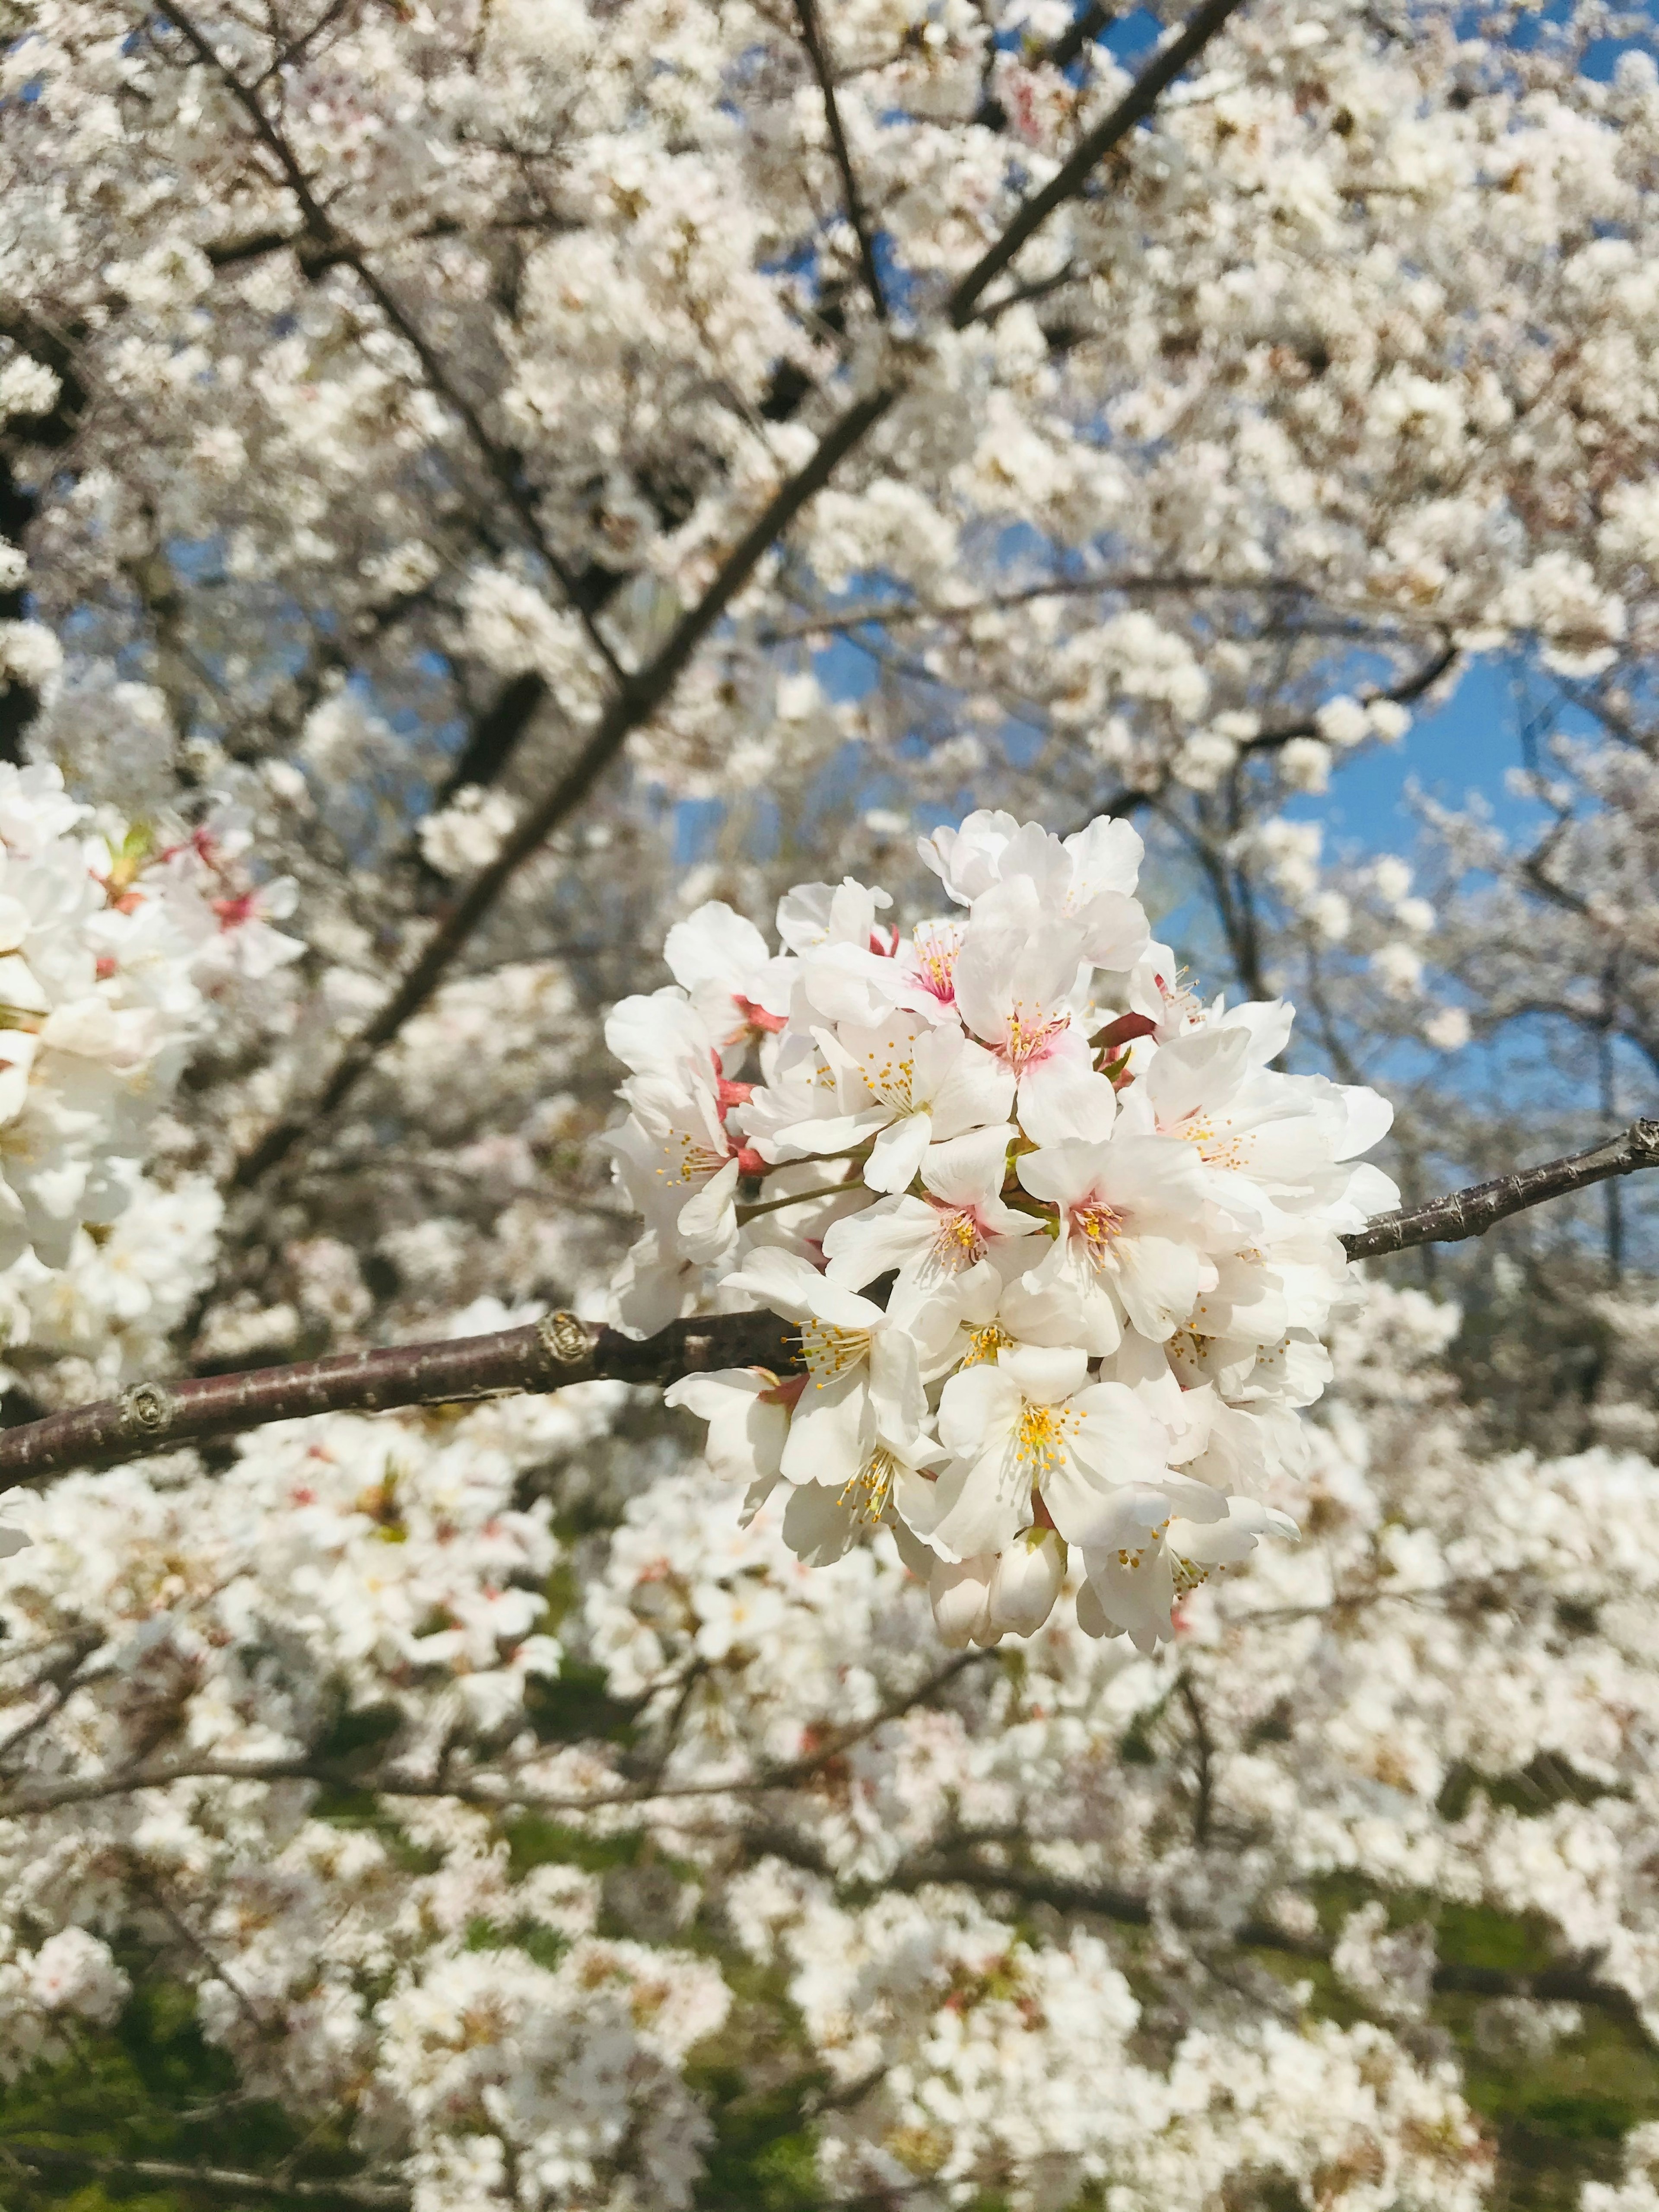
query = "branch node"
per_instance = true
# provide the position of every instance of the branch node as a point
(145, 1409)
(566, 1341)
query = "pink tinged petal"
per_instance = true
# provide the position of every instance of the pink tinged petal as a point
(897, 1155)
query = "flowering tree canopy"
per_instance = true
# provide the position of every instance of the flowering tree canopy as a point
(702, 1506)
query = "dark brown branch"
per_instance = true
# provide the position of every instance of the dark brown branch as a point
(1400, 695)
(1069, 179)
(811, 31)
(495, 736)
(548, 1355)
(545, 1355)
(219, 2181)
(1471, 1212)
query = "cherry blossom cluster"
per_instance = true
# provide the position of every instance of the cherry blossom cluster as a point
(1104, 1224)
(116, 942)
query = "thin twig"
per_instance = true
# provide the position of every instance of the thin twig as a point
(494, 1792)
(811, 33)
(334, 247)
(221, 2181)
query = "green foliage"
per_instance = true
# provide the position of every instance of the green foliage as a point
(149, 2087)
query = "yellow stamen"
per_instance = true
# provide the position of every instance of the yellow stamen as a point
(831, 1353)
(984, 1344)
(1039, 1440)
(875, 1479)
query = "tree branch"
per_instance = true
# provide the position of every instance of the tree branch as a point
(1472, 1212)
(648, 687)
(333, 247)
(221, 2181)
(546, 1355)
(811, 33)
(1401, 693)
(551, 1354)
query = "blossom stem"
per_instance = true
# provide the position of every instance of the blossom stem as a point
(747, 1214)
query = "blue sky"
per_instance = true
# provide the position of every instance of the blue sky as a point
(1465, 746)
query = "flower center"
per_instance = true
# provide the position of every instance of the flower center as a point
(1029, 1035)
(1041, 1438)
(1099, 1225)
(937, 948)
(960, 1241)
(890, 1077)
(688, 1156)
(984, 1344)
(867, 1492)
(831, 1353)
(1220, 1147)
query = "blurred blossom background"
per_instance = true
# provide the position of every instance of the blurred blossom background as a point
(480, 479)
